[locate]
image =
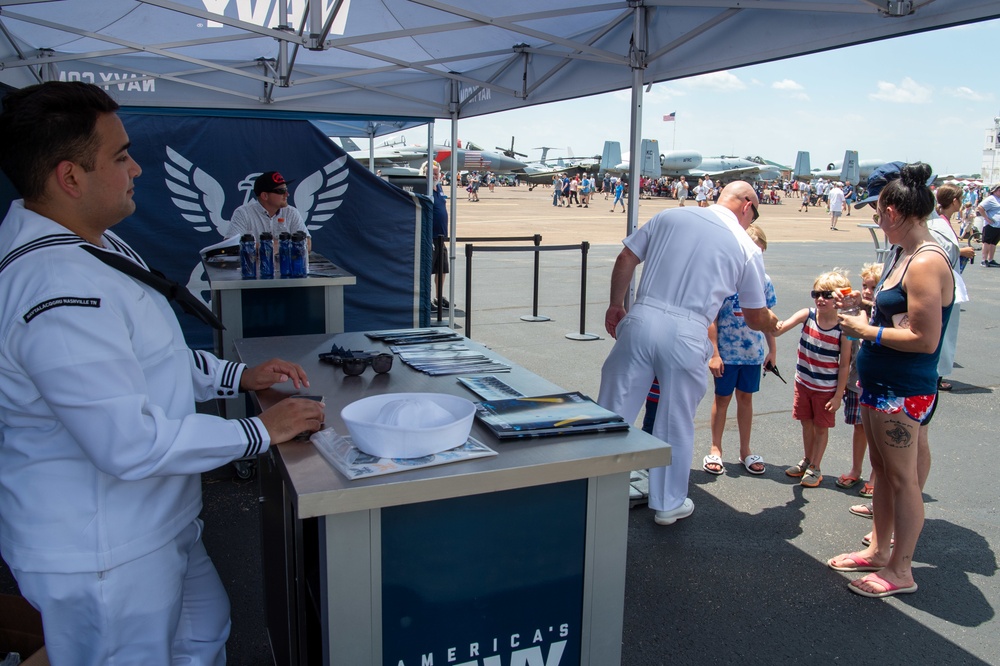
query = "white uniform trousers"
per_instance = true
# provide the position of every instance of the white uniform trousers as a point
(670, 343)
(168, 607)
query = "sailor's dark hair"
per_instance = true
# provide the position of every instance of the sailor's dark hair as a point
(910, 194)
(44, 124)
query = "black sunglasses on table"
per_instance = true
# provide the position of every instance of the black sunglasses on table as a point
(354, 363)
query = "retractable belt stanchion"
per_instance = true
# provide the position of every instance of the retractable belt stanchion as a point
(583, 247)
(582, 336)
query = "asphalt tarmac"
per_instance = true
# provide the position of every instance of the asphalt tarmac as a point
(744, 579)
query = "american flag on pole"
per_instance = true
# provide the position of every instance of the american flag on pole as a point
(670, 117)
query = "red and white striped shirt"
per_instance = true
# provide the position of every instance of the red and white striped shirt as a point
(819, 355)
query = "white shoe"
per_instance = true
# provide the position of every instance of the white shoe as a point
(670, 517)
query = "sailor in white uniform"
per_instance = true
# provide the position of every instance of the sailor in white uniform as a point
(100, 445)
(693, 259)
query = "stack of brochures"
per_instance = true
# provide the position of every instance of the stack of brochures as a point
(415, 336)
(547, 415)
(447, 358)
(340, 451)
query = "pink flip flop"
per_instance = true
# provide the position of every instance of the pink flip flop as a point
(889, 590)
(858, 563)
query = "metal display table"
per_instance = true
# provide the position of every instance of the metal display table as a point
(517, 558)
(278, 306)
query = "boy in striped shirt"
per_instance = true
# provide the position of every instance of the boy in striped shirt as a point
(824, 361)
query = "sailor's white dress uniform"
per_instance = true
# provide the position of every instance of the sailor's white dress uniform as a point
(693, 259)
(101, 451)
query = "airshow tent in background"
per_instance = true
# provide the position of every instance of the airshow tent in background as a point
(428, 58)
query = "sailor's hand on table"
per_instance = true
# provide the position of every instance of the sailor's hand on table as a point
(292, 417)
(273, 372)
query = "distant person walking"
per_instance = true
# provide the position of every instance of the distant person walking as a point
(836, 199)
(619, 196)
(990, 210)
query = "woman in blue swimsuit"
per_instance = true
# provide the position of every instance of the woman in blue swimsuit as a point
(897, 373)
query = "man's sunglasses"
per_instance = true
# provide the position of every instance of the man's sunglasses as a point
(283, 190)
(354, 362)
(756, 213)
(825, 294)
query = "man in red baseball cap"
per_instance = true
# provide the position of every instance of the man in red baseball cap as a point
(268, 210)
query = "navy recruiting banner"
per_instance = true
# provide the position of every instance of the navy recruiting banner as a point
(198, 170)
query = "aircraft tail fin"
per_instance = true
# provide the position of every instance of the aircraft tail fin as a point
(851, 171)
(650, 165)
(612, 155)
(802, 169)
(348, 144)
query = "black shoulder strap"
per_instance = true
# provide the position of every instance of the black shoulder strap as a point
(173, 291)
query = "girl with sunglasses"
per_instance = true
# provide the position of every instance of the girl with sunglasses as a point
(824, 361)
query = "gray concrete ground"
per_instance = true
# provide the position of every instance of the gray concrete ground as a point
(744, 579)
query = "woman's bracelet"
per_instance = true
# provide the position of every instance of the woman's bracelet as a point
(878, 336)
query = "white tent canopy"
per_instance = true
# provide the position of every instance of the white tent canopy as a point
(428, 58)
(424, 58)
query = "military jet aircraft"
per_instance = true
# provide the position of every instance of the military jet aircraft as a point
(849, 169)
(399, 159)
(691, 164)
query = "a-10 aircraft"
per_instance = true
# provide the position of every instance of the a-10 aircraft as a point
(849, 169)
(856, 171)
(542, 171)
(399, 159)
(674, 163)
(689, 163)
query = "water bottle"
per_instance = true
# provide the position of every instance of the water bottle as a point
(299, 254)
(266, 253)
(285, 253)
(248, 257)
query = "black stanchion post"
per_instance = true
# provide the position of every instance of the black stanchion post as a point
(534, 293)
(582, 336)
(534, 289)
(439, 272)
(468, 291)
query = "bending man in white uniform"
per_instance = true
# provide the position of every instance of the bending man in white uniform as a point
(693, 260)
(100, 447)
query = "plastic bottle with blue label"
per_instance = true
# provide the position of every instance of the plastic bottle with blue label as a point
(248, 257)
(285, 254)
(300, 255)
(266, 254)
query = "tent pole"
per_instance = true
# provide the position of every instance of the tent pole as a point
(638, 64)
(453, 110)
(371, 150)
(431, 184)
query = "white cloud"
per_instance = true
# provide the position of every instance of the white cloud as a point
(720, 81)
(907, 92)
(787, 84)
(964, 92)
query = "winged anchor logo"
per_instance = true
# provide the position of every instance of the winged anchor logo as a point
(201, 200)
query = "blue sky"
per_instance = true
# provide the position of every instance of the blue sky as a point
(926, 97)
